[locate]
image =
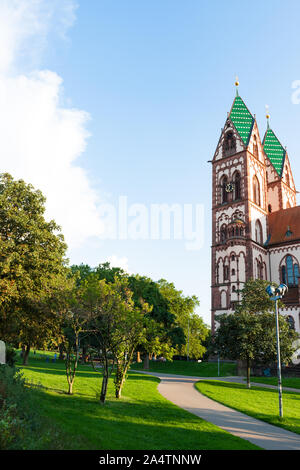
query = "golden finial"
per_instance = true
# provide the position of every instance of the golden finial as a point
(237, 85)
(267, 114)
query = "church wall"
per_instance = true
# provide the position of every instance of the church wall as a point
(277, 255)
(274, 198)
(257, 214)
(293, 312)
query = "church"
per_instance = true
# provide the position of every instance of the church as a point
(255, 217)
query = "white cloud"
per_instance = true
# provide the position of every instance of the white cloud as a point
(119, 262)
(40, 138)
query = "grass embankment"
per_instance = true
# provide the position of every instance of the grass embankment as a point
(141, 419)
(191, 368)
(260, 403)
(291, 382)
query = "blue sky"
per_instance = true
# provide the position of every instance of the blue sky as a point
(157, 80)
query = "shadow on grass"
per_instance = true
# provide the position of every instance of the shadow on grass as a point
(120, 424)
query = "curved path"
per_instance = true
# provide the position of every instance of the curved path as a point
(180, 390)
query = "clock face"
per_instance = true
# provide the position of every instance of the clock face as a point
(229, 187)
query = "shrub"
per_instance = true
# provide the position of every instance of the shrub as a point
(11, 355)
(21, 426)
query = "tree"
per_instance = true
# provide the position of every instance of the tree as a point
(32, 264)
(166, 333)
(116, 323)
(75, 320)
(250, 333)
(133, 326)
(191, 325)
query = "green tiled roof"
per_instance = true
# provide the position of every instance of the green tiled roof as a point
(274, 151)
(242, 119)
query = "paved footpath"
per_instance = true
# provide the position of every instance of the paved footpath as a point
(180, 390)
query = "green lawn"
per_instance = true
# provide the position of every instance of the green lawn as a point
(292, 382)
(261, 403)
(195, 369)
(141, 419)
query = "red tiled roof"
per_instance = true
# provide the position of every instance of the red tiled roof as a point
(284, 226)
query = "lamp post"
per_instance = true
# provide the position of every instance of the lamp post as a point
(188, 345)
(275, 294)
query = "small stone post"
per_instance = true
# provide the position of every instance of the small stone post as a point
(2, 353)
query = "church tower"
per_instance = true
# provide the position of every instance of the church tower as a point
(255, 217)
(239, 208)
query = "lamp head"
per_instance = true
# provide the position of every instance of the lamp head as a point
(270, 291)
(281, 290)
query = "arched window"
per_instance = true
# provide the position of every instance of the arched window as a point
(223, 234)
(256, 191)
(269, 208)
(290, 272)
(260, 269)
(258, 232)
(237, 186)
(224, 182)
(255, 147)
(291, 322)
(226, 272)
(229, 144)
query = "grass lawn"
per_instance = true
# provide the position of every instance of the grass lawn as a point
(141, 419)
(261, 403)
(292, 382)
(195, 369)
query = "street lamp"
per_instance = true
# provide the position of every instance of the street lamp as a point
(188, 345)
(276, 294)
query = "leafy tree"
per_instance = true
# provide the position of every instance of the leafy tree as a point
(167, 333)
(116, 323)
(249, 334)
(32, 264)
(164, 333)
(190, 326)
(75, 322)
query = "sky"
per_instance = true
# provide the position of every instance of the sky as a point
(114, 104)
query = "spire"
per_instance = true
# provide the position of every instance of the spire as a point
(273, 148)
(241, 117)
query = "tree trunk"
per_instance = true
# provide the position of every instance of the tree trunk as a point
(138, 357)
(84, 355)
(248, 373)
(104, 388)
(146, 361)
(70, 391)
(61, 351)
(104, 381)
(26, 355)
(120, 379)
